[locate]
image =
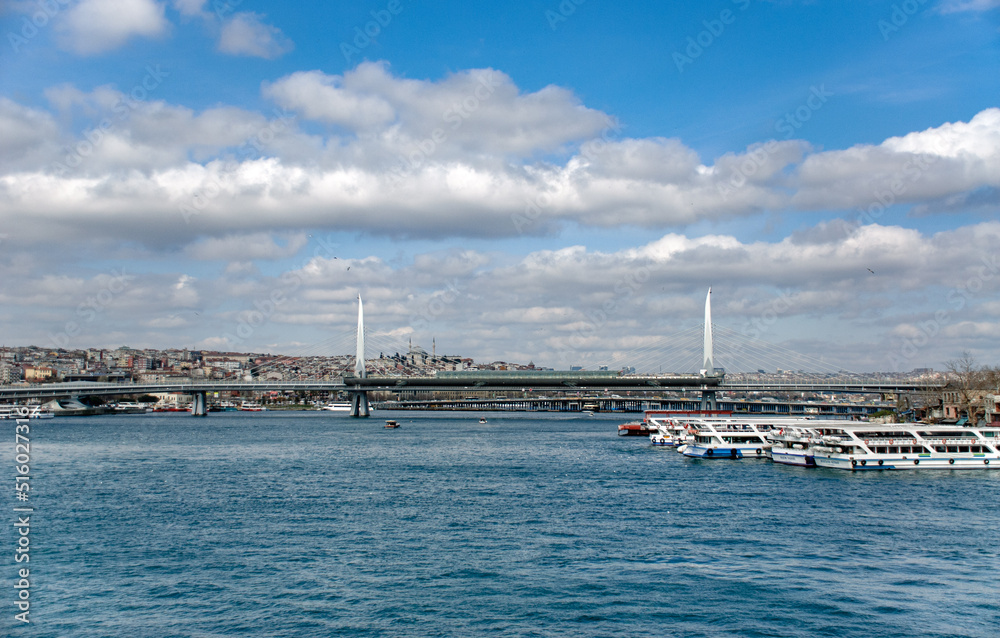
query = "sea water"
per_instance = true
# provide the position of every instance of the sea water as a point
(315, 524)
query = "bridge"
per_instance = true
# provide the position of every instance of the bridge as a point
(708, 382)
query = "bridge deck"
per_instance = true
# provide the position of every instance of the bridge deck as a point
(471, 382)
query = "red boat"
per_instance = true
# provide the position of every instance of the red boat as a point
(634, 428)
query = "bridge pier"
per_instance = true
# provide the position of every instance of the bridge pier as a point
(200, 405)
(359, 405)
(708, 401)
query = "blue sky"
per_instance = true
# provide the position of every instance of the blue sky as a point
(221, 153)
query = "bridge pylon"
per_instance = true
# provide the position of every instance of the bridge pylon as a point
(708, 401)
(359, 398)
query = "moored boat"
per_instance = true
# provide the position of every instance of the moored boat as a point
(25, 412)
(791, 444)
(725, 439)
(634, 428)
(871, 446)
(668, 428)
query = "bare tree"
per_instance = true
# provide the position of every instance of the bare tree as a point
(972, 383)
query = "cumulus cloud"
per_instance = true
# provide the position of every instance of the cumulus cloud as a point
(322, 97)
(247, 34)
(466, 155)
(573, 305)
(951, 159)
(239, 248)
(96, 26)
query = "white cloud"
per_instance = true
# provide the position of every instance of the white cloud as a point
(477, 114)
(322, 97)
(516, 164)
(190, 7)
(239, 247)
(28, 136)
(958, 6)
(951, 159)
(97, 26)
(563, 306)
(246, 34)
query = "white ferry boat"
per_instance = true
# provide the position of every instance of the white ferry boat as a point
(25, 412)
(670, 428)
(870, 446)
(791, 443)
(337, 407)
(728, 438)
(669, 433)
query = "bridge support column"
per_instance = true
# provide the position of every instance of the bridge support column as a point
(359, 405)
(200, 405)
(708, 400)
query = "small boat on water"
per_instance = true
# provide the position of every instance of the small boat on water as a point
(249, 406)
(391, 424)
(482, 419)
(634, 428)
(337, 407)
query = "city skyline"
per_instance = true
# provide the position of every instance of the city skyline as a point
(555, 182)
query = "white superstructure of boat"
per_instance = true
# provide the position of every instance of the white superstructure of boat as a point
(736, 436)
(727, 438)
(25, 412)
(667, 432)
(791, 443)
(669, 427)
(871, 446)
(337, 407)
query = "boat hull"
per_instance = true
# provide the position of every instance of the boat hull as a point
(725, 452)
(909, 462)
(799, 458)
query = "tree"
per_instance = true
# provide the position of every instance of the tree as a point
(971, 382)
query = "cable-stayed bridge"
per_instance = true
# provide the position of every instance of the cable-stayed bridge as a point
(358, 382)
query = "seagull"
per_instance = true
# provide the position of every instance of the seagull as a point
(871, 271)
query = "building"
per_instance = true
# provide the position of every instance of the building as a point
(11, 374)
(37, 374)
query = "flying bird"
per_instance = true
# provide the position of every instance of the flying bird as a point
(871, 271)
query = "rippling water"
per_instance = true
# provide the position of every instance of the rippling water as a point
(306, 524)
